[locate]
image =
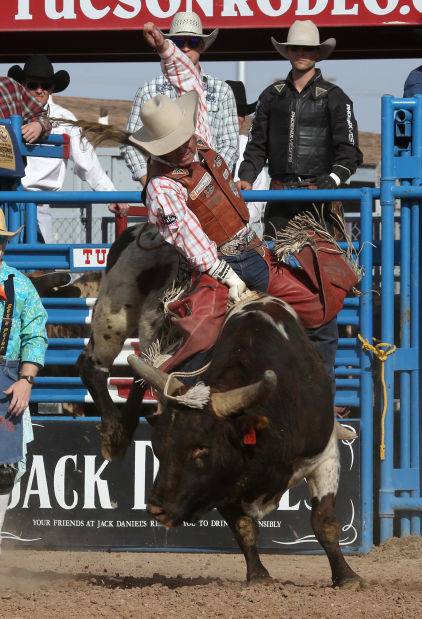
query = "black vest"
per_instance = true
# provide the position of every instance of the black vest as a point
(300, 140)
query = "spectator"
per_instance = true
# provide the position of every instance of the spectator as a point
(47, 173)
(245, 109)
(306, 128)
(23, 342)
(14, 99)
(413, 83)
(186, 32)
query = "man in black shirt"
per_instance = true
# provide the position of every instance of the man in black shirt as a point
(304, 126)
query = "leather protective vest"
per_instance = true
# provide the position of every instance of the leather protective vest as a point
(300, 141)
(212, 194)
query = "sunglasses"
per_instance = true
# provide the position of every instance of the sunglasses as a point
(36, 85)
(306, 48)
(193, 43)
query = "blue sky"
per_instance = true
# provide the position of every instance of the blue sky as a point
(365, 81)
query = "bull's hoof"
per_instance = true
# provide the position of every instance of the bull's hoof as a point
(353, 583)
(260, 580)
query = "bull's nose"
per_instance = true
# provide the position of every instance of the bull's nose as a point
(155, 510)
(159, 513)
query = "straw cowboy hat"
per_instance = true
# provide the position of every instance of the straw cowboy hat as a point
(243, 108)
(38, 66)
(305, 34)
(188, 24)
(167, 123)
(3, 230)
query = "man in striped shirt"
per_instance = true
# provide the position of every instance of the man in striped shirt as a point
(186, 32)
(15, 99)
(194, 202)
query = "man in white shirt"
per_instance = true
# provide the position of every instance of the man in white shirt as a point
(256, 209)
(47, 173)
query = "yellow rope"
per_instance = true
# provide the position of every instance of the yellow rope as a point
(381, 351)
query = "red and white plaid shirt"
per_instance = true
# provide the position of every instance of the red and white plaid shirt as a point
(15, 99)
(166, 198)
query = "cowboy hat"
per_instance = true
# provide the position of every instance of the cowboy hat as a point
(188, 24)
(167, 123)
(243, 108)
(305, 34)
(39, 66)
(3, 230)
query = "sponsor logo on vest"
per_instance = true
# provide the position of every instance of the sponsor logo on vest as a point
(234, 188)
(179, 171)
(218, 162)
(226, 174)
(208, 191)
(204, 182)
(291, 136)
(168, 219)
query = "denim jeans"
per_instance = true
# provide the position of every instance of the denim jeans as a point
(11, 427)
(251, 268)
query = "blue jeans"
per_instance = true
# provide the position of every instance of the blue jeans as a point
(11, 427)
(251, 268)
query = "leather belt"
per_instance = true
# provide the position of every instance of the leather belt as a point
(277, 184)
(240, 244)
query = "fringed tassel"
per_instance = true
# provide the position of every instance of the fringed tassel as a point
(298, 234)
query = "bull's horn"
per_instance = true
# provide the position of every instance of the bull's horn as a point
(153, 376)
(231, 402)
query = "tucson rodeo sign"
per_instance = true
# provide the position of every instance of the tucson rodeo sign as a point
(116, 14)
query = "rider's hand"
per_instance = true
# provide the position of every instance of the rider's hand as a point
(154, 37)
(223, 273)
(31, 131)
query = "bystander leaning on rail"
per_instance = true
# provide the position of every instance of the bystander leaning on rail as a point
(23, 342)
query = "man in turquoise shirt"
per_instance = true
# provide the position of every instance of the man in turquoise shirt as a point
(23, 342)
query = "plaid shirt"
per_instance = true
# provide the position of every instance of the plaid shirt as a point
(28, 337)
(222, 114)
(15, 99)
(166, 199)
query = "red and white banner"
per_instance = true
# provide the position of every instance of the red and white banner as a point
(48, 15)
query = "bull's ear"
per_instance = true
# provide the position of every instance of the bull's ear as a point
(248, 427)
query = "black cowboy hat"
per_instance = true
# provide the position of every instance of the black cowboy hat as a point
(243, 108)
(39, 66)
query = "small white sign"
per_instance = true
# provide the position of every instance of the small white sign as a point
(90, 257)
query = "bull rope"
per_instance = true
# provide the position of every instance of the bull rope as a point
(382, 355)
(197, 396)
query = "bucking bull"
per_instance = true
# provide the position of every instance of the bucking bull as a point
(258, 423)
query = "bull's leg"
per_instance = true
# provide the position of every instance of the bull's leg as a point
(323, 483)
(113, 321)
(246, 531)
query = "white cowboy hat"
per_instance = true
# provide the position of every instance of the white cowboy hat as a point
(167, 123)
(3, 230)
(188, 24)
(306, 34)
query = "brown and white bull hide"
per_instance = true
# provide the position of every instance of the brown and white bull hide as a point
(140, 268)
(265, 378)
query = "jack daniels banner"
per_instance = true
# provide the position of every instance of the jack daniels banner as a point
(71, 498)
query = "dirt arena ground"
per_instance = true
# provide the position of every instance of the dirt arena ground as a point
(67, 585)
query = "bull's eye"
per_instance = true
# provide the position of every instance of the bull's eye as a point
(199, 451)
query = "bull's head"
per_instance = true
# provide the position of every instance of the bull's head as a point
(201, 450)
